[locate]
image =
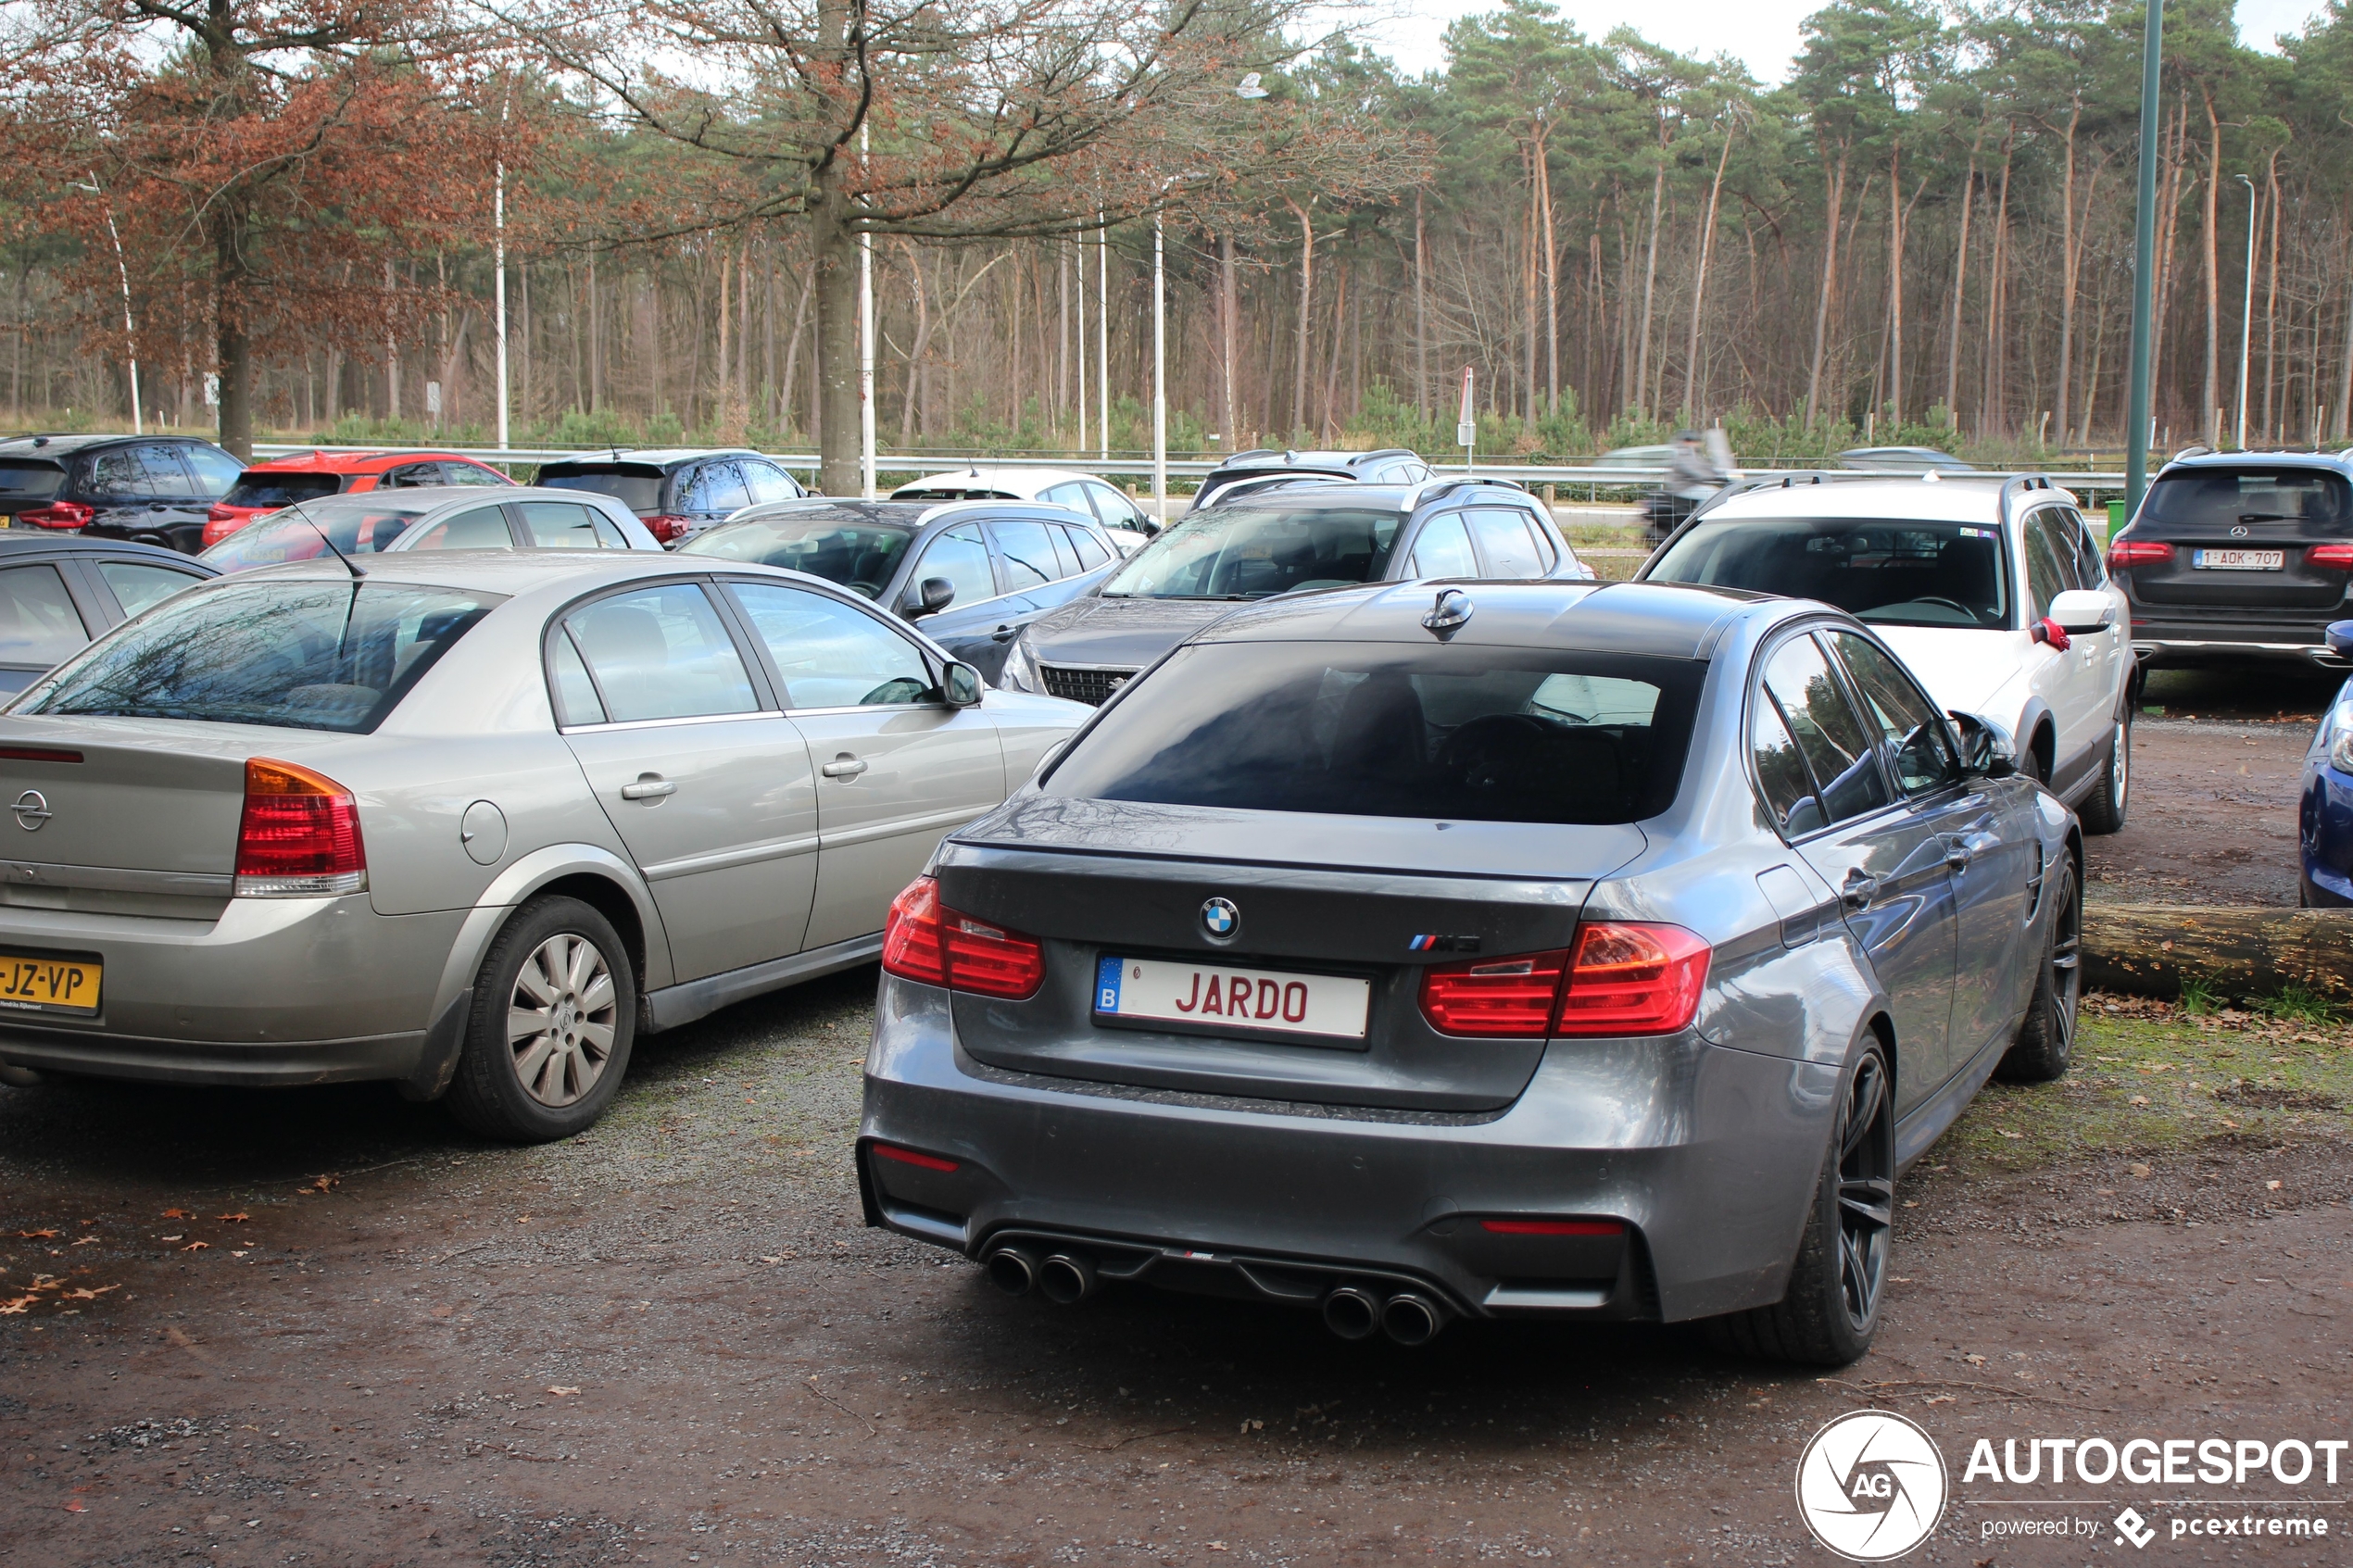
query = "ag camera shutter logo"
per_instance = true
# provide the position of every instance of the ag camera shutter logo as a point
(1872, 1486)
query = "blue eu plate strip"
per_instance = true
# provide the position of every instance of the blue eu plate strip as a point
(1107, 984)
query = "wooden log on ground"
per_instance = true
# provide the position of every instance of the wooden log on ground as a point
(2149, 950)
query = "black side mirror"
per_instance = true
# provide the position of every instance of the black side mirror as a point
(961, 684)
(1986, 748)
(935, 595)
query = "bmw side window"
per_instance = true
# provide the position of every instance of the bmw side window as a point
(1027, 552)
(1444, 548)
(1092, 551)
(1503, 539)
(119, 473)
(215, 472)
(764, 481)
(1842, 753)
(1546, 553)
(167, 476)
(829, 654)
(662, 653)
(1065, 558)
(1781, 771)
(1918, 749)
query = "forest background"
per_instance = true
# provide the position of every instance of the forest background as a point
(1922, 236)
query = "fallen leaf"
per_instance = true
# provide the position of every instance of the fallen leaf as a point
(1217, 1546)
(322, 1184)
(2140, 1100)
(85, 1241)
(237, 1219)
(772, 1260)
(2005, 1132)
(83, 1293)
(2228, 1122)
(169, 1238)
(2143, 1172)
(1940, 1400)
(16, 1306)
(443, 1311)
(237, 1254)
(2270, 1186)
(1974, 1360)
(74, 1506)
(178, 1214)
(196, 1247)
(36, 1235)
(560, 1393)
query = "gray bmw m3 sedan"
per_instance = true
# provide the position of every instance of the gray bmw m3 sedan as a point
(1485, 949)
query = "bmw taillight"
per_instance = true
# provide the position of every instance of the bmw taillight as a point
(2138, 552)
(57, 514)
(667, 528)
(2337, 557)
(1494, 997)
(1621, 978)
(927, 941)
(299, 836)
(1633, 979)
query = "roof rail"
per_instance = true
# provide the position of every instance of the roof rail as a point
(2019, 484)
(1780, 481)
(2196, 450)
(1431, 489)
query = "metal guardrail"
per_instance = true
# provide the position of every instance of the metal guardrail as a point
(1590, 475)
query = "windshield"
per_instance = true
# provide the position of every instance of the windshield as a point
(1886, 573)
(639, 488)
(859, 555)
(363, 525)
(1250, 552)
(302, 655)
(280, 489)
(1460, 732)
(2219, 497)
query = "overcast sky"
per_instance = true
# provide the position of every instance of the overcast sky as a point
(1763, 32)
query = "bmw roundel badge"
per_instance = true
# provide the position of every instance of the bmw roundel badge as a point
(1220, 918)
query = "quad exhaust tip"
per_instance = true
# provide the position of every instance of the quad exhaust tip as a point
(1067, 1277)
(1012, 1270)
(1353, 1312)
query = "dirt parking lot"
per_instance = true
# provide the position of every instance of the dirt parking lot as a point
(322, 1327)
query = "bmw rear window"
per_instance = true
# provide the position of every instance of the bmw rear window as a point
(634, 485)
(1451, 731)
(22, 481)
(302, 654)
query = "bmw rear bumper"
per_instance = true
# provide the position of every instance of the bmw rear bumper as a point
(273, 991)
(1708, 1156)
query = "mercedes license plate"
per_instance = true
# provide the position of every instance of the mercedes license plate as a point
(2238, 560)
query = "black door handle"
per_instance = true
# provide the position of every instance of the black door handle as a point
(1004, 634)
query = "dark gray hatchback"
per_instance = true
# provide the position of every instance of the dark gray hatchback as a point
(1480, 950)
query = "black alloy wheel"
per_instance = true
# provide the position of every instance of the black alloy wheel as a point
(2046, 1043)
(1866, 1192)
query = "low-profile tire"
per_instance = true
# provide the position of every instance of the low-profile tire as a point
(2103, 810)
(1839, 1281)
(555, 1013)
(2045, 1042)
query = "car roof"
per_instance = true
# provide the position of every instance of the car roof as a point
(1347, 462)
(1026, 479)
(65, 443)
(1672, 620)
(1951, 497)
(912, 513)
(23, 542)
(509, 572)
(651, 457)
(326, 460)
(2333, 462)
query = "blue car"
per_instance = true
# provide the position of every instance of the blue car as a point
(2324, 809)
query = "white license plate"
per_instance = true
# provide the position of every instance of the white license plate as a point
(1256, 999)
(2238, 560)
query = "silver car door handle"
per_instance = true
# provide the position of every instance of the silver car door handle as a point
(1859, 891)
(844, 767)
(649, 787)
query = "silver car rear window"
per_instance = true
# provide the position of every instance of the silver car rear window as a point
(300, 654)
(1451, 732)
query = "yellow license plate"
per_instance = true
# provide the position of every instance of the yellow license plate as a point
(49, 985)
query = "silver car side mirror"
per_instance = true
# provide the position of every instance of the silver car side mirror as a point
(1987, 750)
(962, 685)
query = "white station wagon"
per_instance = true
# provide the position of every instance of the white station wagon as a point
(1990, 588)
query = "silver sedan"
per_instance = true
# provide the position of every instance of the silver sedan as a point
(471, 822)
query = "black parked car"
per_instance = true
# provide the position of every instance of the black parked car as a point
(59, 591)
(973, 574)
(677, 493)
(1246, 472)
(153, 489)
(2239, 554)
(1287, 541)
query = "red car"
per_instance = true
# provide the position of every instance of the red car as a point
(306, 476)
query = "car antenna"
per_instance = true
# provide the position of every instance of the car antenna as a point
(357, 575)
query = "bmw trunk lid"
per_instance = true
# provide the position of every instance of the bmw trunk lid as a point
(1246, 915)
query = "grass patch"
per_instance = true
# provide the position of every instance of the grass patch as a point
(2153, 1077)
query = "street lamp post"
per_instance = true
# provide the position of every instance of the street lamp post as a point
(129, 333)
(1159, 376)
(865, 345)
(2136, 416)
(2246, 312)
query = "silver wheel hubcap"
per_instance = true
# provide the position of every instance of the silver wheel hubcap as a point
(559, 1022)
